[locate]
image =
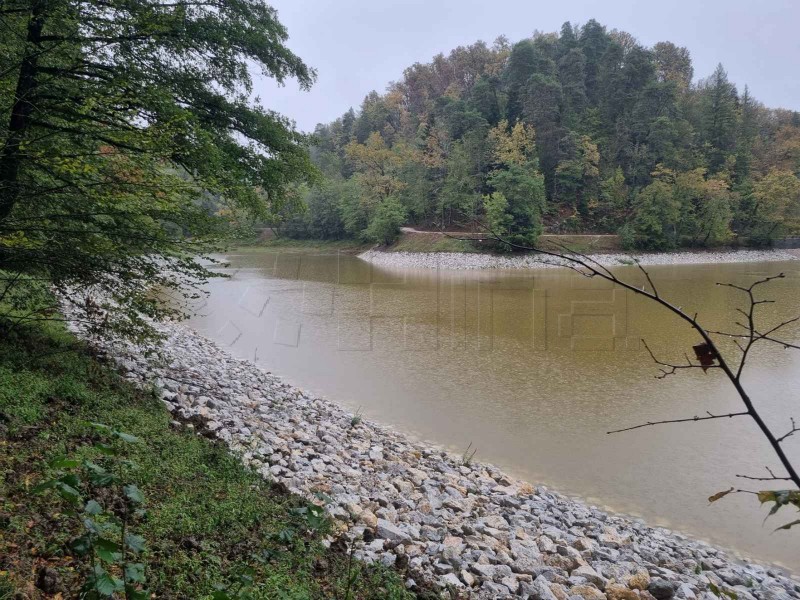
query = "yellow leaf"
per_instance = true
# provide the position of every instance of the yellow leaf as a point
(767, 496)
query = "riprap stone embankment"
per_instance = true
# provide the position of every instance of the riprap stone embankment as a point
(467, 528)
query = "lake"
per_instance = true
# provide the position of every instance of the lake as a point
(531, 368)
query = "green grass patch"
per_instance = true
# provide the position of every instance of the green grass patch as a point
(432, 242)
(208, 518)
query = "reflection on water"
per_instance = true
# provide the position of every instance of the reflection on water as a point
(533, 368)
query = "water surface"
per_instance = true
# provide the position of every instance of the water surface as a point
(533, 368)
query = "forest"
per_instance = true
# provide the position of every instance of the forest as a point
(580, 131)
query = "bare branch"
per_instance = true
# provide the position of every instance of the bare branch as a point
(689, 420)
(649, 280)
(792, 431)
(670, 369)
(772, 477)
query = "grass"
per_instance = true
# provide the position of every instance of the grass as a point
(209, 519)
(431, 242)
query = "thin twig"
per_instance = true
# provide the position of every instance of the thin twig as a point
(673, 368)
(689, 420)
(772, 477)
(792, 431)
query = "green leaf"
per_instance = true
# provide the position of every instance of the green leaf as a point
(131, 593)
(98, 475)
(324, 497)
(126, 437)
(93, 508)
(62, 462)
(134, 572)
(81, 545)
(69, 493)
(91, 526)
(133, 494)
(105, 449)
(47, 485)
(107, 550)
(135, 543)
(70, 479)
(104, 583)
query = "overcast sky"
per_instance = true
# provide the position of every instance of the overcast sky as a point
(362, 45)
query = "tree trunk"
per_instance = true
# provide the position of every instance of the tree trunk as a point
(19, 121)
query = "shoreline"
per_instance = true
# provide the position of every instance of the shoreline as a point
(477, 261)
(452, 523)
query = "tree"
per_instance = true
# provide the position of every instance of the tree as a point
(384, 225)
(324, 204)
(460, 191)
(705, 207)
(122, 118)
(517, 204)
(715, 213)
(377, 167)
(719, 101)
(673, 64)
(777, 206)
(484, 100)
(613, 206)
(568, 38)
(543, 110)
(514, 145)
(656, 218)
(578, 173)
(571, 71)
(593, 42)
(521, 65)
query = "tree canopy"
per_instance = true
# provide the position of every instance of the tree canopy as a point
(121, 123)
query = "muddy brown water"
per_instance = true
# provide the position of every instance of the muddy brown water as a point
(533, 367)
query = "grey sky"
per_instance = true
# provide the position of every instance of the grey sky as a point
(361, 45)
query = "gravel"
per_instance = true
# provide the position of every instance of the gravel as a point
(472, 261)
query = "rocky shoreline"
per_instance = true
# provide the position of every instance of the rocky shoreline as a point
(472, 261)
(464, 527)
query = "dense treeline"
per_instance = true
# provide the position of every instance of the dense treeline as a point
(585, 130)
